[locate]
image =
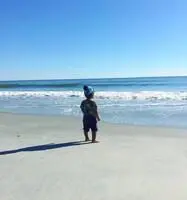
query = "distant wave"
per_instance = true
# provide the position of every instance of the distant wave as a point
(144, 95)
(111, 82)
(34, 85)
(77, 84)
(135, 84)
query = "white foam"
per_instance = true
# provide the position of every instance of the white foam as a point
(41, 93)
(143, 95)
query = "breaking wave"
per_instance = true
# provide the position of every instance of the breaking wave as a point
(143, 95)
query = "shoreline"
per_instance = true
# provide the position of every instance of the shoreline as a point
(76, 123)
(104, 122)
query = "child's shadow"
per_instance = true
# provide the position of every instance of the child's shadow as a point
(44, 147)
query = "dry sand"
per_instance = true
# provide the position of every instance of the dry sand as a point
(42, 158)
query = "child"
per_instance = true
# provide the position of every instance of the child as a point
(90, 114)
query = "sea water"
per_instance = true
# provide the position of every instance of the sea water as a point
(157, 101)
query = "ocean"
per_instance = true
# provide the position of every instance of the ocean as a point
(155, 101)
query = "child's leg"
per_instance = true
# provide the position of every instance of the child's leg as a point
(86, 128)
(86, 135)
(94, 133)
(94, 129)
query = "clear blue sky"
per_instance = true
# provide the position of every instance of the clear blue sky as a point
(48, 39)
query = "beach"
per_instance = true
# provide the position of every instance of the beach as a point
(45, 158)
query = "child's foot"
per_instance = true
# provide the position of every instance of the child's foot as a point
(87, 139)
(95, 141)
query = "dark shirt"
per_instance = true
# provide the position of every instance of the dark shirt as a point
(89, 107)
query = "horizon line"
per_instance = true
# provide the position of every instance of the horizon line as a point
(162, 76)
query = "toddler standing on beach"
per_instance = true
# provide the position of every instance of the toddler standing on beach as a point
(90, 114)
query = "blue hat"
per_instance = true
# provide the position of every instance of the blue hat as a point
(88, 90)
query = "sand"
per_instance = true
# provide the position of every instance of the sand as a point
(44, 158)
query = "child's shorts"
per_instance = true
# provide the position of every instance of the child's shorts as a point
(89, 122)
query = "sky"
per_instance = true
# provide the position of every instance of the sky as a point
(60, 39)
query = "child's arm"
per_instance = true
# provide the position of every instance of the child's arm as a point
(81, 107)
(95, 112)
(97, 116)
